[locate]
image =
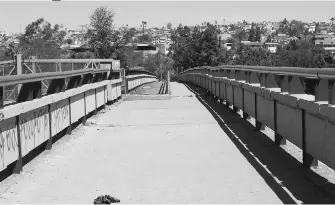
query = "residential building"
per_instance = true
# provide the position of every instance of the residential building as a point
(271, 47)
(326, 41)
(253, 45)
(224, 37)
(227, 46)
(283, 39)
(163, 48)
(146, 49)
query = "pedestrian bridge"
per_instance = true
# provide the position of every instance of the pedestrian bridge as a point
(183, 147)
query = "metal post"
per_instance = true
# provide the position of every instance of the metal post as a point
(33, 64)
(168, 82)
(19, 68)
(161, 68)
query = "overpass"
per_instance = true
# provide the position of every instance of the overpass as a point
(179, 148)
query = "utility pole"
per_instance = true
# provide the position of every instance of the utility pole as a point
(143, 23)
(161, 68)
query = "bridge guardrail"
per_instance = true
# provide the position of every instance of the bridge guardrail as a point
(36, 119)
(306, 120)
(134, 81)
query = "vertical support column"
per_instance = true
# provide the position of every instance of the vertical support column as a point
(322, 91)
(253, 78)
(247, 80)
(296, 87)
(2, 97)
(55, 86)
(307, 159)
(18, 165)
(270, 82)
(331, 96)
(33, 64)
(28, 92)
(235, 77)
(168, 83)
(86, 79)
(73, 83)
(19, 68)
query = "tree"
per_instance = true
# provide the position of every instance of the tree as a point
(41, 39)
(268, 39)
(69, 41)
(100, 31)
(252, 34)
(169, 26)
(195, 47)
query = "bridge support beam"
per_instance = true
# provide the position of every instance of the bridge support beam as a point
(28, 92)
(2, 97)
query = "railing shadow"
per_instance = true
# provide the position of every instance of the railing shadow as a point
(282, 172)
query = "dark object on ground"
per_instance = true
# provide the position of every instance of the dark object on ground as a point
(106, 200)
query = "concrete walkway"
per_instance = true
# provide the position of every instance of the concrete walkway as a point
(152, 151)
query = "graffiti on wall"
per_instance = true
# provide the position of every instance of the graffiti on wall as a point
(8, 142)
(34, 129)
(60, 116)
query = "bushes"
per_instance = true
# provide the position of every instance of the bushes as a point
(298, 55)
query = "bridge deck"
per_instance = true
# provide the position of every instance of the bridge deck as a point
(152, 151)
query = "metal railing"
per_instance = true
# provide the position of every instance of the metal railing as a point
(277, 97)
(21, 66)
(35, 118)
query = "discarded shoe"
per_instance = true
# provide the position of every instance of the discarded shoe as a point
(107, 199)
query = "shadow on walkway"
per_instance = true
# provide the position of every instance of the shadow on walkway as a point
(282, 172)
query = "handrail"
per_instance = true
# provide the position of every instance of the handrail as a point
(68, 60)
(140, 75)
(33, 77)
(6, 62)
(139, 70)
(319, 73)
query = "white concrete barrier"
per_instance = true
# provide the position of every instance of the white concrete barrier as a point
(293, 115)
(24, 126)
(134, 81)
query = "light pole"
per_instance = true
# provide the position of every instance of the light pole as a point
(161, 68)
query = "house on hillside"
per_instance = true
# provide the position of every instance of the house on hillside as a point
(253, 45)
(146, 49)
(271, 47)
(281, 39)
(326, 41)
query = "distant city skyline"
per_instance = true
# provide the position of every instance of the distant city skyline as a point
(15, 16)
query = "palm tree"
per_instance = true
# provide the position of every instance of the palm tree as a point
(144, 23)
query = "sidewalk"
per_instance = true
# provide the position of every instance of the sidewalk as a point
(152, 151)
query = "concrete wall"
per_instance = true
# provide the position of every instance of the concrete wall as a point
(34, 122)
(299, 118)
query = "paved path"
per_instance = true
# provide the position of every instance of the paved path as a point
(158, 151)
(149, 89)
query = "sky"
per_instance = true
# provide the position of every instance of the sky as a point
(16, 15)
